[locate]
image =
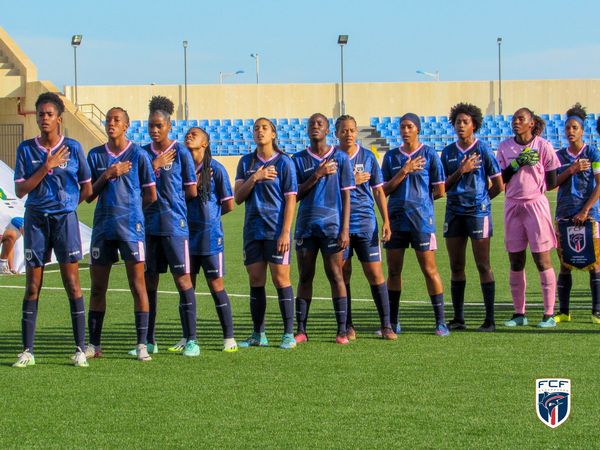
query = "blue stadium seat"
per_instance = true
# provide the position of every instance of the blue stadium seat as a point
(135, 124)
(294, 121)
(373, 121)
(274, 121)
(181, 123)
(249, 122)
(203, 123)
(443, 119)
(283, 122)
(430, 119)
(396, 120)
(192, 123)
(385, 119)
(215, 122)
(546, 117)
(238, 122)
(226, 122)
(145, 124)
(304, 121)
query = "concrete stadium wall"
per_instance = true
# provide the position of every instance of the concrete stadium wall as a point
(363, 100)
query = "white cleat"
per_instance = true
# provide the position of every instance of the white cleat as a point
(4, 269)
(142, 353)
(80, 360)
(92, 351)
(229, 345)
(26, 359)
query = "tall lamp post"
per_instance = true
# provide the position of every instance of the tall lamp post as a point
(76, 42)
(185, 111)
(499, 41)
(223, 75)
(342, 40)
(255, 56)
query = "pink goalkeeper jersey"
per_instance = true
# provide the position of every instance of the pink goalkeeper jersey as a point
(529, 183)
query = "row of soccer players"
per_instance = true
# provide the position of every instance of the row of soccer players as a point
(160, 206)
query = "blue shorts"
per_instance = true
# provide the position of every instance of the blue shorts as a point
(367, 249)
(106, 252)
(212, 265)
(264, 250)
(167, 251)
(46, 232)
(328, 246)
(456, 225)
(419, 241)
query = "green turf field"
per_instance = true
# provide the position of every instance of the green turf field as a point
(468, 390)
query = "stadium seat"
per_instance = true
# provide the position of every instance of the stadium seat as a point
(430, 119)
(385, 120)
(226, 122)
(294, 121)
(215, 122)
(203, 123)
(135, 123)
(238, 122)
(249, 122)
(373, 121)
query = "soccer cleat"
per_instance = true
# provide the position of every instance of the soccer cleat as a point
(80, 360)
(457, 325)
(93, 351)
(388, 334)
(396, 330)
(547, 322)
(191, 349)
(4, 269)
(151, 348)
(487, 327)
(288, 342)
(342, 339)
(301, 337)
(562, 317)
(596, 318)
(351, 333)
(25, 359)
(229, 345)
(178, 348)
(442, 330)
(142, 353)
(516, 321)
(255, 340)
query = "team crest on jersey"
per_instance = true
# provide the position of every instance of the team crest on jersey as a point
(95, 252)
(182, 223)
(64, 165)
(138, 227)
(445, 227)
(220, 241)
(359, 168)
(553, 400)
(28, 254)
(168, 167)
(576, 238)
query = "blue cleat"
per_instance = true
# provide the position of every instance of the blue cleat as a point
(288, 342)
(516, 321)
(255, 340)
(547, 322)
(442, 330)
(191, 349)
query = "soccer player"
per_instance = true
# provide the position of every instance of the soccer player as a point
(266, 183)
(364, 237)
(413, 178)
(324, 180)
(124, 184)
(52, 171)
(578, 193)
(473, 178)
(529, 165)
(166, 222)
(12, 233)
(206, 230)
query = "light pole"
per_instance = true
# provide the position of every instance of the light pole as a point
(435, 75)
(223, 75)
(499, 41)
(76, 42)
(255, 56)
(342, 40)
(185, 111)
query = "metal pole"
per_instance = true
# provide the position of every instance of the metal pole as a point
(75, 64)
(185, 79)
(343, 104)
(220, 77)
(499, 77)
(257, 69)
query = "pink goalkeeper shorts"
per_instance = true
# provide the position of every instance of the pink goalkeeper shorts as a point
(528, 223)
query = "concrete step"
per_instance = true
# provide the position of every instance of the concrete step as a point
(12, 86)
(369, 137)
(7, 72)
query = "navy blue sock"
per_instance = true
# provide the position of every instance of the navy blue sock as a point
(95, 321)
(563, 289)
(339, 306)
(286, 306)
(437, 301)
(595, 288)
(394, 297)
(187, 302)
(78, 321)
(258, 308)
(29, 318)
(141, 327)
(349, 306)
(382, 303)
(153, 303)
(302, 308)
(457, 291)
(489, 294)
(223, 306)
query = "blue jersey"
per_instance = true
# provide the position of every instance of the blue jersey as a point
(410, 206)
(119, 215)
(469, 196)
(167, 216)
(58, 192)
(204, 218)
(265, 206)
(362, 207)
(577, 189)
(320, 211)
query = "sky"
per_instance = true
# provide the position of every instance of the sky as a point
(135, 42)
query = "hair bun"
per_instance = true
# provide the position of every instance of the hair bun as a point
(160, 103)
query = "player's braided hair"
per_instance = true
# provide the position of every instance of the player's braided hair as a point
(577, 110)
(341, 119)
(204, 176)
(163, 106)
(51, 97)
(470, 110)
(118, 108)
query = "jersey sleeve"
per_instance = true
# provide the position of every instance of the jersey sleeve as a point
(222, 184)
(188, 172)
(376, 179)
(490, 163)
(92, 165)
(298, 168)
(550, 160)
(145, 171)
(241, 170)
(444, 159)
(84, 174)
(289, 183)
(19, 175)
(436, 170)
(385, 168)
(500, 156)
(346, 175)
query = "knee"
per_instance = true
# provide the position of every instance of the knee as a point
(483, 267)
(183, 283)
(257, 279)
(72, 287)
